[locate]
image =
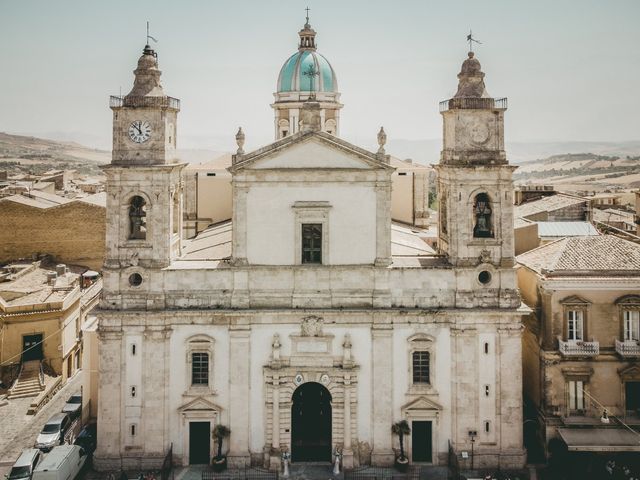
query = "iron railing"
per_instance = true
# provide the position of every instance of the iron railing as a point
(249, 473)
(579, 348)
(382, 473)
(474, 103)
(116, 101)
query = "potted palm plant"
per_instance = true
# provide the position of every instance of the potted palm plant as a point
(219, 462)
(401, 429)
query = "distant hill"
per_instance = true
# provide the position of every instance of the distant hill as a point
(583, 171)
(23, 154)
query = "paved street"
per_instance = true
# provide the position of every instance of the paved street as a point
(19, 430)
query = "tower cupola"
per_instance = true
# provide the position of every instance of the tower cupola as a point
(147, 76)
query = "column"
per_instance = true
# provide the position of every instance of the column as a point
(153, 390)
(239, 357)
(512, 453)
(382, 398)
(239, 215)
(275, 426)
(383, 223)
(107, 455)
(347, 452)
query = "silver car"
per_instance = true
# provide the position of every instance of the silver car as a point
(73, 405)
(53, 432)
(24, 466)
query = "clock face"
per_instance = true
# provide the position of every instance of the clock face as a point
(140, 131)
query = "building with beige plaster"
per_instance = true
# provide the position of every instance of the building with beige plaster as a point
(42, 307)
(38, 223)
(581, 344)
(309, 321)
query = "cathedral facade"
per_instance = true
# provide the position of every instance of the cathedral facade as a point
(301, 323)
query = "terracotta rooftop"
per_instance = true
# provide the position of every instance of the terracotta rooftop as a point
(602, 255)
(547, 204)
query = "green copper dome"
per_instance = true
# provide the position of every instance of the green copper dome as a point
(307, 70)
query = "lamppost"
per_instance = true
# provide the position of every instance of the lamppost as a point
(472, 434)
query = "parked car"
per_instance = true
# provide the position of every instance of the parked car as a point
(25, 464)
(63, 463)
(73, 407)
(53, 432)
(87, 438)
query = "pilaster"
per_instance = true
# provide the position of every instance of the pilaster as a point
(382, 394)
(239, 391)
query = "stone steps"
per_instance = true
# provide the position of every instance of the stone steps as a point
(28, 384)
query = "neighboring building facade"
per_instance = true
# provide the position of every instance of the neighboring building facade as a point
(309, 322)
(581, 346)
(71, 231)
(41, 310)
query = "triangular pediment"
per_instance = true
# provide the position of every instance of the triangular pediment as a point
(631, 372)
(311, 150)
(199, 404)
(632, 300)
(421, 404)
(574, 300)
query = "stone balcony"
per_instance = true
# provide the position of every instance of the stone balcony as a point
(628, 348)
(578, 348)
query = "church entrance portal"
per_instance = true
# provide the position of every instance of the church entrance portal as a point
(199, 442)
(421, 442)
(311, 423)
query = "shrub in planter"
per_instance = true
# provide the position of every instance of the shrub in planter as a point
(219, 462)
(401, 429)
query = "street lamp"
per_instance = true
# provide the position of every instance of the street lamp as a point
(472, 434)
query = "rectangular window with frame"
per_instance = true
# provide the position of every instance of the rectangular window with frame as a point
(631, 325)
(575, 325)
(312, 243)
(420, 360)
(200, 368)
(576, 396)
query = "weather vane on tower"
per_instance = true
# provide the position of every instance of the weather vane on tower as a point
(472, 40)
(149, 36)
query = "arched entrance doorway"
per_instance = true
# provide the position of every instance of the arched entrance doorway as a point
(311, 423)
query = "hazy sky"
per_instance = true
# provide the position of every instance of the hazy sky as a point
(571, 69)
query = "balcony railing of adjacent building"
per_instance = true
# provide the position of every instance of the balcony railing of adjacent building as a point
(474, 103)
(578, 348)
(134, 101)
(628, 348)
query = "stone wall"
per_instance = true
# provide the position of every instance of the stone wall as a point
(72, 233)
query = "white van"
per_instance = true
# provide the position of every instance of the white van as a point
(62, 463)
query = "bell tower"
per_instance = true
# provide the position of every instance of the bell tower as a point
(144, 186)
(474, 178)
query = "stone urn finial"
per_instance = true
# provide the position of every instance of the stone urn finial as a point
(382, 140)
(240, 141)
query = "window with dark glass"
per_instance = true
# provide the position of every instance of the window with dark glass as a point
(311, 243)
(200, 368)
(421, 367)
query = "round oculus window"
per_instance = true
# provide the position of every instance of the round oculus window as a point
(484, 277)
(135, 279)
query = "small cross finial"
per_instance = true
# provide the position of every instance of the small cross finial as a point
(472, 40)
(307, 9)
